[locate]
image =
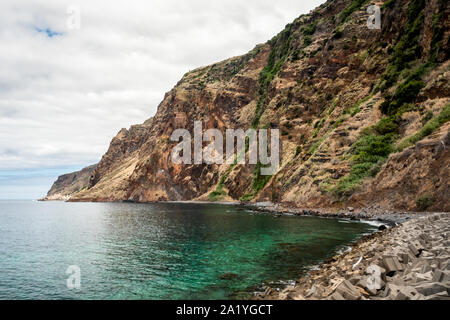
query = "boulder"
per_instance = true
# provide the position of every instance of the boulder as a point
(428, 289)
(441, 276)
(337, 296)
(348, 291)
(392, 264)
(421, 277)
(407, 293)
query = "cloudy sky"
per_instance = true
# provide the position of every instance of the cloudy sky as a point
(67, 88)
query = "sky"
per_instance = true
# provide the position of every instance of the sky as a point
(73, 73)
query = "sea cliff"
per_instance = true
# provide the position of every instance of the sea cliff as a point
(364, 117)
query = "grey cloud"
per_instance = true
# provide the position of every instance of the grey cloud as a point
(63, 98)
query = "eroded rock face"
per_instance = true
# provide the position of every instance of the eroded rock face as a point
(69, 184)
(318, 82)
(419, 170)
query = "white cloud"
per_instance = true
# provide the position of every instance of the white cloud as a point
(63, 98)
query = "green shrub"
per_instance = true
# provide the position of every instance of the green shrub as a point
(373, 148)
(405, 93)
(216, 196)
(280, 49)
(388, 4)
(424, 202)
(311, 29)
(386, 125)
(428, 116)
(259, 181)
(438, 32)
(370, 152)
(352, 7)
(247, 197)
(430, 127)
(307, 41)
(337, 34)
(353, 111)
(407, 48)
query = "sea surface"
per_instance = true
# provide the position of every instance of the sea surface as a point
(158, 251)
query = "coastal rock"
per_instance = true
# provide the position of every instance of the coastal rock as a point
(387, 271)
(348, 291)
(317, 82)
(69, 184)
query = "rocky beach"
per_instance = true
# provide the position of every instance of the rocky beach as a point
(407, 262)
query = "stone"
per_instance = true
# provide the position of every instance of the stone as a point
(421, 266)
(428, 289)
(414, 250)
(417, 246)
(391, 290)
(348, 291)
(355, 280)
(410, 262)
(420, 277)
(337, 296)
(298, 297)
(392, 264)
(407, 293)
(283, 296)
(370, 289)
(441, 276)
(316, 291)
(268, 291)
(439, 296)
(404, 257)
(427, 254)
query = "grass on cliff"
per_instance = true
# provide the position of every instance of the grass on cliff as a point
(430, 127)
(219, 193)
(280, 51)
(353, 111)
(258, 183)
(424, 202)
(370, 152)
(438, 31)
(352, 7)
(406, 92)
(407, 48)
(375, 144)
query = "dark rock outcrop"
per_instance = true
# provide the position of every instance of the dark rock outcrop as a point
(69, 184)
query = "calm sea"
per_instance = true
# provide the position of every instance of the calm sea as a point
(157, 251)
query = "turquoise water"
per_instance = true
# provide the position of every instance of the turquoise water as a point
(157, 251)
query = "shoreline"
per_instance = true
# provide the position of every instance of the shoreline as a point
(374, 214)
(410, 261)
(384, 217)
(345, 276)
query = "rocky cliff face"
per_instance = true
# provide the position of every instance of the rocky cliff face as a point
(69, 184)
(364, 116)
